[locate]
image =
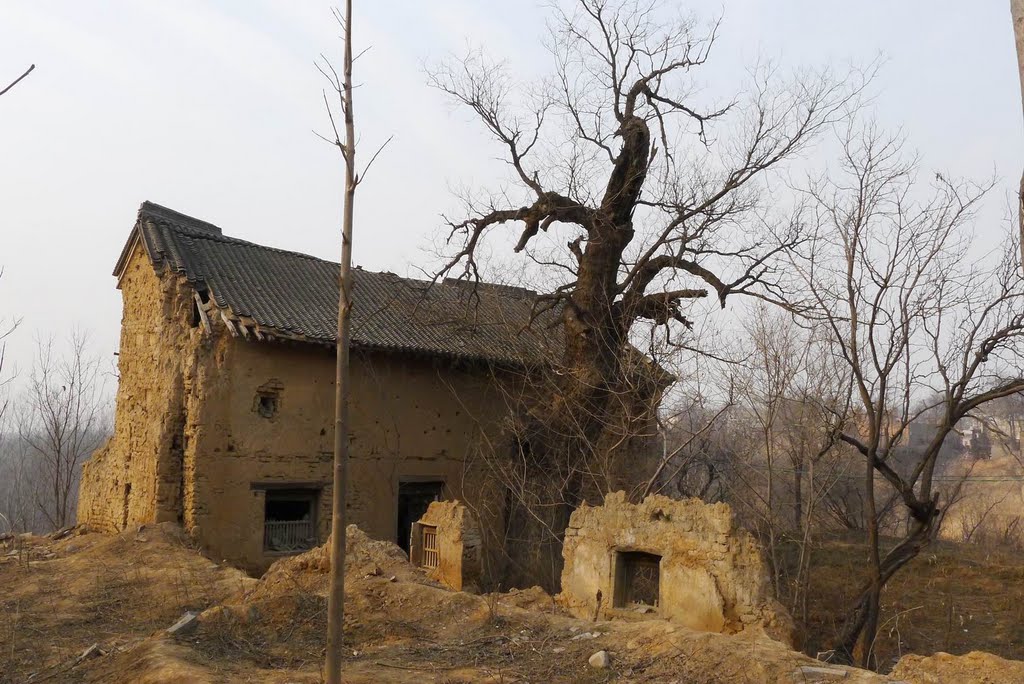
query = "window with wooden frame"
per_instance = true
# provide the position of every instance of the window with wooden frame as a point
(430, 555)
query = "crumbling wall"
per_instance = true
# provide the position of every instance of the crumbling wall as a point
(712, 575)
(409, 422)
(136, 476)
(459, 546)
(191, 444)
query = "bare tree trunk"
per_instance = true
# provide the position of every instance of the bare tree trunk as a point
(874, 568)
(798, 502)
(336, 600)
(1017, 14)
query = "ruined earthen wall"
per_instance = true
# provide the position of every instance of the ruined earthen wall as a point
(459, 546)
(408, 422)
(189, 444)
(712, 576)
(136, 477)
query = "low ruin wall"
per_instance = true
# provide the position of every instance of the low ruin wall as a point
(456, 545)
(698, 568)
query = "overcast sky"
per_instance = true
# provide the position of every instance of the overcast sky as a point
(208, 107)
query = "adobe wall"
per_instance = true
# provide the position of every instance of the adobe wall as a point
(712, 575)
(459, 546)
(409, 421)
(136, 476)
(190, 446)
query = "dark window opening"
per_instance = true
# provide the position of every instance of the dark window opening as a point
(289, 521)
(194, 318)
(413, 500)
(266, 404)
(637, 579)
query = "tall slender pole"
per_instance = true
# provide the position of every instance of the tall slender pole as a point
(336, 600)
(1017, 15)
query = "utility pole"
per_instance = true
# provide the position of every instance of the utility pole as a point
(336, 600)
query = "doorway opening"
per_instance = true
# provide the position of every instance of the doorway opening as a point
(637, 579)
(413, 500)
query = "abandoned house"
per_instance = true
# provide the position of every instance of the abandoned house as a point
(225, 403)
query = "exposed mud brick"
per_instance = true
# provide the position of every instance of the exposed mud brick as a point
(208, 424)
(457, 554)
(672, 554)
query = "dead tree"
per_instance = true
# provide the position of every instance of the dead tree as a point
(635, 196)
(342, 89)
(18, 80)
(62, 419)
(910, 315)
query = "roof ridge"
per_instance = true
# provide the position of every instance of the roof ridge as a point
(203, 230)
(153, 210)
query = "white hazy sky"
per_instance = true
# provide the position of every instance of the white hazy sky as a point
(208, 107)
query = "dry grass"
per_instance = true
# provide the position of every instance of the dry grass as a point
(953, 598)
(92, 588)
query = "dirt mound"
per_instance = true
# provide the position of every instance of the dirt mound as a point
(123, 591)
(972, 668)
(402, 627)
(363, 556)
(61, 596)
(281, 621)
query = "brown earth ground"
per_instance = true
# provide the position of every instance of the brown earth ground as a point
(59, 597)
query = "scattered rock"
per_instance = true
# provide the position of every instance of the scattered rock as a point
(61, 533)
(187, 624)
(809, 673)
(93, 651)
(600, 660)
(586, 635)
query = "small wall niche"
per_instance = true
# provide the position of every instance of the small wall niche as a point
(267, 402)
(637, 579)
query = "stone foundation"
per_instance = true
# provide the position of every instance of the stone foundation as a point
(685, 561)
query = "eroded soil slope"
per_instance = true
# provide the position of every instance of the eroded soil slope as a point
(122, 592)
(57, 598)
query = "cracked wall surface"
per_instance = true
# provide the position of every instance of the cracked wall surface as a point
(190, 443)
(136, 477)
(459, 546)
(712, 575)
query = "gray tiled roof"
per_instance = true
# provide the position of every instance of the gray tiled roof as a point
(295, 295)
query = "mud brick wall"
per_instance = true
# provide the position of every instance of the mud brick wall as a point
(459, 545)
(712, 575)
(136, 476)
(191, 445)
